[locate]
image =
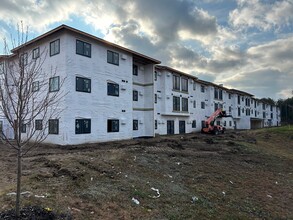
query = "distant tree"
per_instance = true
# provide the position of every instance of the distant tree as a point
(26, 102)
(269, 101)
(286, 108)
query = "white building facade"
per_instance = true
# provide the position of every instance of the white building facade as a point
(114, 93)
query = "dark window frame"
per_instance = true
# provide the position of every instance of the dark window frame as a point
(84, 126)
(50, 84)
(176, 103)
(184, 84)
(83, 48)
(112, 89)
(36, 86)
(51, 128)
(23, 59)
(111, 127)
(135, 70)
(203, 105)
(135, 125)
(23, 128)
(184, 103)
(36, 53)
(39, 124)
(176, 82)
(111, 57)
(202, 88)
(193, 124)
(135, 95)
(81, 85)
(53, 50)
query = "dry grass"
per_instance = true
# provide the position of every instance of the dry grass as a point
(241, 175)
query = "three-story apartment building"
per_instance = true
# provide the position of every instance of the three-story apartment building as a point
(114, 93)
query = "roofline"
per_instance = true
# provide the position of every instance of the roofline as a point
(175, 70)
(65, 27)
(240, 92)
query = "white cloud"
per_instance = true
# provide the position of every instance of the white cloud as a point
(262, 15)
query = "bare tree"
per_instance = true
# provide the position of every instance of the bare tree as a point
(29, 98)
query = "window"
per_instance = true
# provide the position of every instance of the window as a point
(247, 112)
(202, 88)
(263, 106)
(54, 47)
(113, 89)
(247, 102)
(272, 115)
(203, 124)
(194, 86)
(184, 84)
(2, 68)
(230, 123)
(216, 106)
(264, 115)
(176, 103)
(135, 70)
(39, 124)
(83, 48)
(176, 82)
(271, 108)
(202, 105)
(54, 84)
(113, 125)
(53, 126)
(23, 128)
(239, 111)
(36, 86)
(113, 57)
(83, 84)
(242, 99)
(184, 104)
(216, 93)
(218, 123)
(194, 104)
(156, 98)
(221, 94)
(135, 95)
(156, 124)
(229, 96)
(238, 99)
(23, 59)
(230, 109)
(135, 125)
(225, 123)
(193, 124)
(36, 53)
(243, 110)
(82, 126)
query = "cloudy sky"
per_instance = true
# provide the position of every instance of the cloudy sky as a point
(243, 44)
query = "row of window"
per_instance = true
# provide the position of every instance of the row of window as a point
(54, 84)
(82, 126)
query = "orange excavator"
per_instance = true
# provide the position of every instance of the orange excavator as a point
(210, 126)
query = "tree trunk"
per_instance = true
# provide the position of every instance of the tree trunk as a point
(17, 205)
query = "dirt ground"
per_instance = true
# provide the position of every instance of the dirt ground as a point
(238, 175)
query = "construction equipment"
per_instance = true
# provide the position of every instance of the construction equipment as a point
(210, 127)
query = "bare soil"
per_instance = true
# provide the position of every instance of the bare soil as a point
(237, 175)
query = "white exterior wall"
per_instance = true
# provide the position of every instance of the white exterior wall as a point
(99, 107)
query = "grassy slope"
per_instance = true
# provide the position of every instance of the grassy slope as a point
(241, 175)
